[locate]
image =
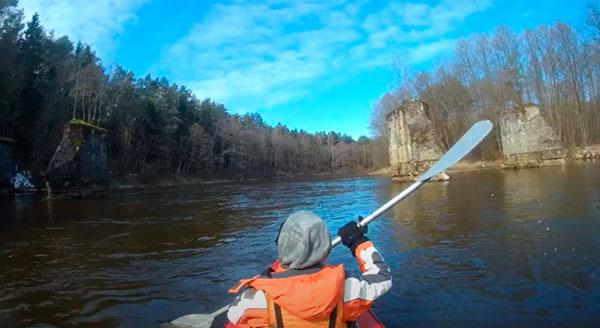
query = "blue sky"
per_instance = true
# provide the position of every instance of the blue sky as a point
(312, 65)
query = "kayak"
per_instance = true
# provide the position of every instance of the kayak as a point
(366, 320)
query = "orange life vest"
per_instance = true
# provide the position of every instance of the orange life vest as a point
(311, 298)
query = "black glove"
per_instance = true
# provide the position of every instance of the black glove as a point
(352, 235)
(267, 273)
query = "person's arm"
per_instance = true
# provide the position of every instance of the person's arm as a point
(361, 291)
(249, 309)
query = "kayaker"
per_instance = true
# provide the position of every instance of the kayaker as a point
(299, 290)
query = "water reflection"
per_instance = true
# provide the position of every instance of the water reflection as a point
(9, 211)
(484, 249)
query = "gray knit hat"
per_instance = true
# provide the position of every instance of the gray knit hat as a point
(303, 241)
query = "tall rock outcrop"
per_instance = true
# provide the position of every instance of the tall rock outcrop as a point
(78, 168)
(528, 140)
(7, 165)
(413, 143)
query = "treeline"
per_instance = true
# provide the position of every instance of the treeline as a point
(556, 67)
(154, 127)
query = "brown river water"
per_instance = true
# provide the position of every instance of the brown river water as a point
(486, 248)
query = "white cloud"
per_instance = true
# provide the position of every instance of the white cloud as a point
(429, 51)
(96, 22)
(247, 54)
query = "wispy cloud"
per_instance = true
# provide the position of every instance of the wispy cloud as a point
(96, 22)
(246, 54)
(257, 55)
(428, 51)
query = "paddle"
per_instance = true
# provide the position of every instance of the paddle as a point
(462, 147)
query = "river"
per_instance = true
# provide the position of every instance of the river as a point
(486, 248)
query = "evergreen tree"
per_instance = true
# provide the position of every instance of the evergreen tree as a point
(11, 69)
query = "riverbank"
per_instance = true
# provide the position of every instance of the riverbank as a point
(586, 153)
(574, 156)
(135, 181)
(138, 181)
(462, 166)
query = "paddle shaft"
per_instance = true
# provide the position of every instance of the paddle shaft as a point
(391, 203)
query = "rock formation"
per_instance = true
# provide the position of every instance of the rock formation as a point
(413, 142)
(590, 153)
(528, 140)
(78, 168)
(6, 166)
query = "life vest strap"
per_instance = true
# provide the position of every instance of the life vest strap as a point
(333, 317)
(279, 316)
(296, 272)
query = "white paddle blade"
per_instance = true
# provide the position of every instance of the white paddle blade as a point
(461, 148)
(193, 321)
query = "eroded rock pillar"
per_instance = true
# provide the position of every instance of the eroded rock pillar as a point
(413, 143)
(528, 140)
(78, 168)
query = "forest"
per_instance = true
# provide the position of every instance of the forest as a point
(154, 127)
(556, 67)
